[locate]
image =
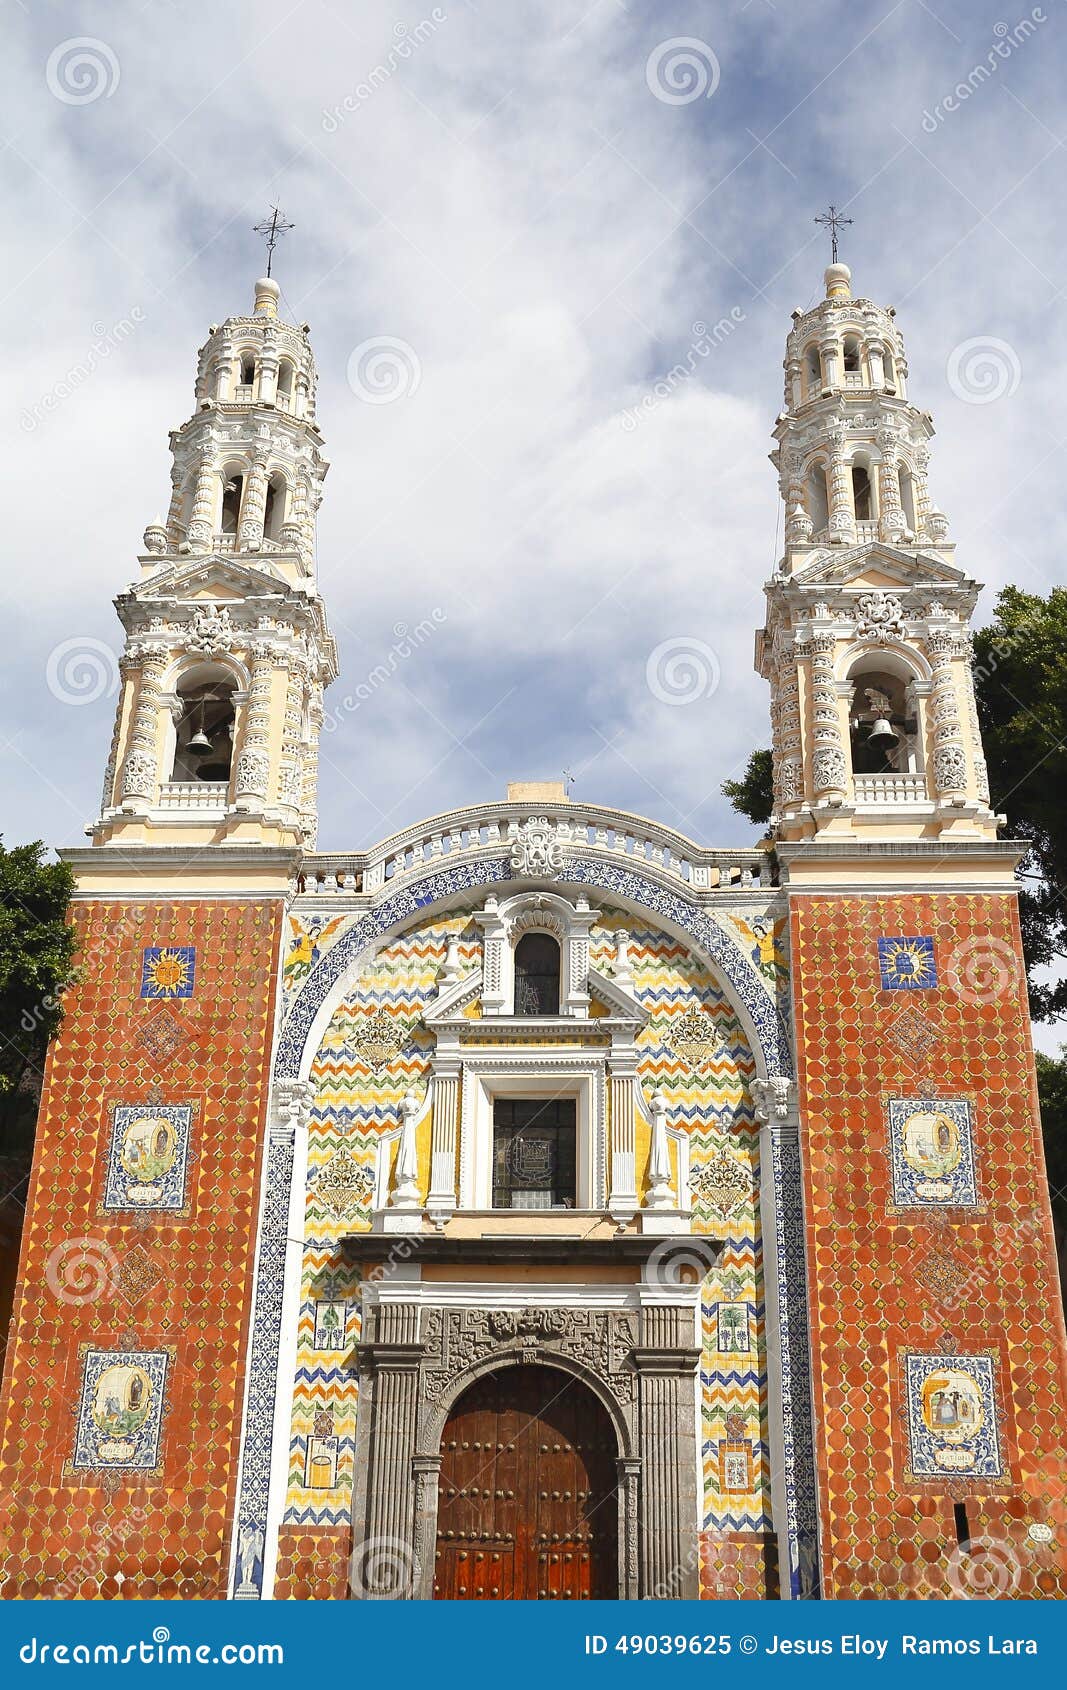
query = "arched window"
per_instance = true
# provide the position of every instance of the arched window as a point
(203, 745)
(818, 501)
(232, 493)
(851, 355)
(285, 385)
(861, 492)
(812, 371)
(274, 507)
(883, 726)
(537, 970)
(248, 372)
(889, 368)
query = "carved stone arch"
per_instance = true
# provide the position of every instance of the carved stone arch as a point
(535, 921)
(908, 656)
(435, 1416)
(622, 1418)
(186, 660)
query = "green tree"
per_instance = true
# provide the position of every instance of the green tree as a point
(1052, 1090)
(753, 794)
(37, 948)
(1020, 675)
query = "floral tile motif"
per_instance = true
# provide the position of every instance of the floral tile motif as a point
(694, 1036)
(952, 1416)
(120, 1411)
(168, 971)
(722, 1184)
(931, 1152)
(907, 965)
(148, 1156)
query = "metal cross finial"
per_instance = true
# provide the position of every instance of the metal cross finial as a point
(831, 220)
(272, 231)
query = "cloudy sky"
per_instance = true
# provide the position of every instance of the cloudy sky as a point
(542, 205)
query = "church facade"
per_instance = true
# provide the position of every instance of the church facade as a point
(539, 1203)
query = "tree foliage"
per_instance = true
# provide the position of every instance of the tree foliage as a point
(37, 948)
(1021, 684)
(753, 794)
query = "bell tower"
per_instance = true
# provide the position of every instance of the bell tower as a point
(936, 1330)
(227, 644)
(867, 645)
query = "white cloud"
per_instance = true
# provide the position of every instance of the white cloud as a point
(510, 201)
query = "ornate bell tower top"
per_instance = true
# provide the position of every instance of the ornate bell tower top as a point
(227, 644)
(248, 464)
(867, 644)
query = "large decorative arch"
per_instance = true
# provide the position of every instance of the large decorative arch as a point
(759, 1015)
(753, 1004)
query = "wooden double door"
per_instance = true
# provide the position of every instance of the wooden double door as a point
(527, 1506)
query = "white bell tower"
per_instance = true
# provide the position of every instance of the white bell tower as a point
(867, 644)
(227, 644)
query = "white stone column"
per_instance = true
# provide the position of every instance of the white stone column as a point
(224, 372)
(291, 772)
(254, 504)
(829, 765)
(623, 1201)
(950, 757)
(140, 769)
(839, 489)
(201, 518)
(831, 354)
(441, 1202)
(253, 759)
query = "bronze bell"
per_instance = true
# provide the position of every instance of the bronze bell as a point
(883, 734)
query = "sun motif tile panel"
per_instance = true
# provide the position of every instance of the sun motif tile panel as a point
(163, 1281)
(168, 971)
(907, 965)
(939, 1280)
(120, 1410)
(952, 1416)
(148, 1156)
(931, 1152)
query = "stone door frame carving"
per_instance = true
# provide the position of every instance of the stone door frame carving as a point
(639, 1362)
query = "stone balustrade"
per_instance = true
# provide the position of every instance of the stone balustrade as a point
(584, 830)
